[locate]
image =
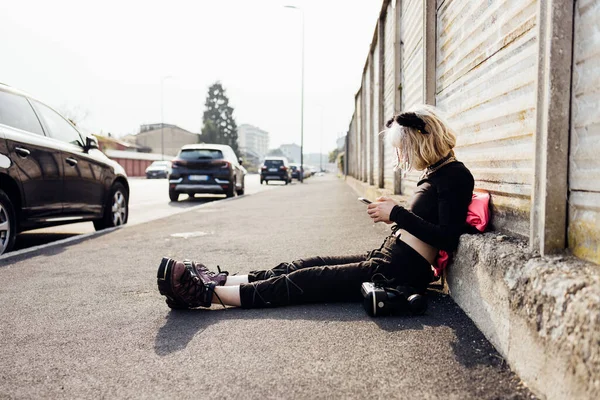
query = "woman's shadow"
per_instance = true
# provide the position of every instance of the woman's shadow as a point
(181, 326)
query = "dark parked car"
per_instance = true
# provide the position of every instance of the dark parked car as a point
(206, 168)
(50, 174)
(158, 169)
(295, 171)
(275, 169)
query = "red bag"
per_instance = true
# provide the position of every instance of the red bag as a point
(478, 216)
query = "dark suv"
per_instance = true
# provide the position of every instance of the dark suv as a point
(206, 168)
(275, 169)
(50, 174)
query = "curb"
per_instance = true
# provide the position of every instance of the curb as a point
(86, 236)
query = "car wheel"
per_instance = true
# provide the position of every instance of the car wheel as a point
(266, 182)
(8, 223)
(243, 189)
(173, 195)
(231, 190)
(116, 210)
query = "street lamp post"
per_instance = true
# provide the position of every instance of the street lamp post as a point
(301, 175)
(162, 122)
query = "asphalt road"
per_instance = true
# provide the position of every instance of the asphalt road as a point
(149, 201)
(85, 320)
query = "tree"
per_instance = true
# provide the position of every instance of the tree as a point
(75, 114)
(276, 153)
(333, 155)
(219, 125)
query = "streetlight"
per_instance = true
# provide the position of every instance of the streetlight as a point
(301, 175)
(162, 124)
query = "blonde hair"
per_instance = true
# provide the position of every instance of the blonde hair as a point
(421, 145)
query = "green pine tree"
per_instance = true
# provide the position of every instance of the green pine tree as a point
(219, 125)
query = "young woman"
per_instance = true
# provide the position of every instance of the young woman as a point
(434, 221)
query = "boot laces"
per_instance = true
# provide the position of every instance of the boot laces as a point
(191, 283)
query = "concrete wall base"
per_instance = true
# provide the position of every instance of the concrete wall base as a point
(541, 313)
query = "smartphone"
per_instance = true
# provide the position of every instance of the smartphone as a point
(366, 201)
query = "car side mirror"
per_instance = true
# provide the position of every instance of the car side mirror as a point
(91, 143)
(240, 160)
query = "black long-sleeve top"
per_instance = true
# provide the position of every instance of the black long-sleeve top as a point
(438, 209)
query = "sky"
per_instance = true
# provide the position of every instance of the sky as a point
(102, 62)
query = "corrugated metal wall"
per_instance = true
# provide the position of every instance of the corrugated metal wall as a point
(389, 92)
(358, 143)
(486, 82)
(364, 128)
(133, 167)
(584, 164)
(412, 53)
(367, 95)
(350, 156)
(412, 68)
(375, 115)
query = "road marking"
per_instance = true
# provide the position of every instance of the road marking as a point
(187, 235)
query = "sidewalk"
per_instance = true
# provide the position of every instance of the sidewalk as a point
(86, 320)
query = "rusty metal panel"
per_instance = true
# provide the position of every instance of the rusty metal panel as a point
(584, 164)
(376, 124)
(486, 70)
(389, 92)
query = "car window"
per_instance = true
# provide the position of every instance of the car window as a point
(161, 164)
(273, 163)
(226, 154)
(200, 154)
(16, 112)
(59, 128)
(232, 156)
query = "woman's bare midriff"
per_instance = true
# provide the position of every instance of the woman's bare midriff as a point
(427, 251)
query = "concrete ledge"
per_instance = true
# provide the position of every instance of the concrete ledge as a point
(541, 314)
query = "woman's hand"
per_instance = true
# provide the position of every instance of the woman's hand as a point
(380, 210)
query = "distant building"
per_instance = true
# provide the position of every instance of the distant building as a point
(291, 151)
(151, 136)
(315, 159)
(110, 143)
(253, 140)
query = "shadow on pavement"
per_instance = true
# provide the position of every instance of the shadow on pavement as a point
(26, 240)
(194, 201)
(471, 348)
